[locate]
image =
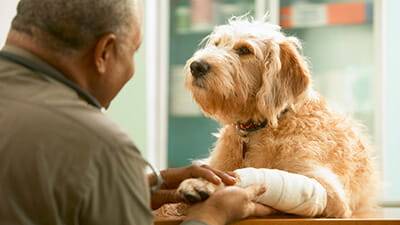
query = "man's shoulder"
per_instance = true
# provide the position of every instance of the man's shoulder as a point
(95, 122)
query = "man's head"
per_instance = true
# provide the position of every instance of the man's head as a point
(91, 41)
(74, 24)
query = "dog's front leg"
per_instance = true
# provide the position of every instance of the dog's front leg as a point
(197, 189)
(228, 152)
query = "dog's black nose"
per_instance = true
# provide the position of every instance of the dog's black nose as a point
(199, 68)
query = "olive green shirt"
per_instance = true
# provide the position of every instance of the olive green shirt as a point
(62, 161)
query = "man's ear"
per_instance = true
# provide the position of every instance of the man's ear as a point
(103, 52)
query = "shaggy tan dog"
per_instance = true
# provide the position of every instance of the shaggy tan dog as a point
(252, 79)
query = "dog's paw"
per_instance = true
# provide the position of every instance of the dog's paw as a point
(337, 205)
(338, 209)
(196, 190)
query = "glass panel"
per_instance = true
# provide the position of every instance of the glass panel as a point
(189, 132)
(391, 154)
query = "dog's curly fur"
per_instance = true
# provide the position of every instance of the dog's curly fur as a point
(310, 139)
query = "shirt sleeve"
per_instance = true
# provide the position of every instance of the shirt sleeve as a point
(119, 192)
(193, 222)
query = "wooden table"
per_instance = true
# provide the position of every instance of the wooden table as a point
(297, 221)
(390, 216)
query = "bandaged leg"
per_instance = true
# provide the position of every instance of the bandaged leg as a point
(287, 192)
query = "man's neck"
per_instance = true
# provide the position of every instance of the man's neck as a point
(74, 67)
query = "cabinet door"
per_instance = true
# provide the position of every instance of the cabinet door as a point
(391, 106)
(189, 132)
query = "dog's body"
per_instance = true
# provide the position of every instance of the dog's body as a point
(314, 142)
(250, 72)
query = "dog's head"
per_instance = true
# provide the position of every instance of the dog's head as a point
(247, 70)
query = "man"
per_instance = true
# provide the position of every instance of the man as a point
(62, 161)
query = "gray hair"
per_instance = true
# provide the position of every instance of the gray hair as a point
(73, 24)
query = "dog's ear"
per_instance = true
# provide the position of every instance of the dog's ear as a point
(294, 74)
(285, 77)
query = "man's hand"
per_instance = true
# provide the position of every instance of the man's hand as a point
(173, 177)
(230, 204)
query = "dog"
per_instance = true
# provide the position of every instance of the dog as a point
(255, 82)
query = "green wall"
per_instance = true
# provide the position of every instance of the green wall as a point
(128, 109)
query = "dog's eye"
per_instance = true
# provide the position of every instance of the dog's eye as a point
(243, 51)
(216, 43)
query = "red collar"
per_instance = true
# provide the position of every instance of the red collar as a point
(248, 126)
(251, 125)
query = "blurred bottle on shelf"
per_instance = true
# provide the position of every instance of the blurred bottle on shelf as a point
(307, 14)
(199, 16)
(202, 16)
(181, 102)
(182, 18)
(224, 11)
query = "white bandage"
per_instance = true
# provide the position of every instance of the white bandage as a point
(287, 192)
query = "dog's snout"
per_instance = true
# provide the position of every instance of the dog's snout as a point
(199, 68)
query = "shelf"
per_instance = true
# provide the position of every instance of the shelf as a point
(194, 31)
(304, 15)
